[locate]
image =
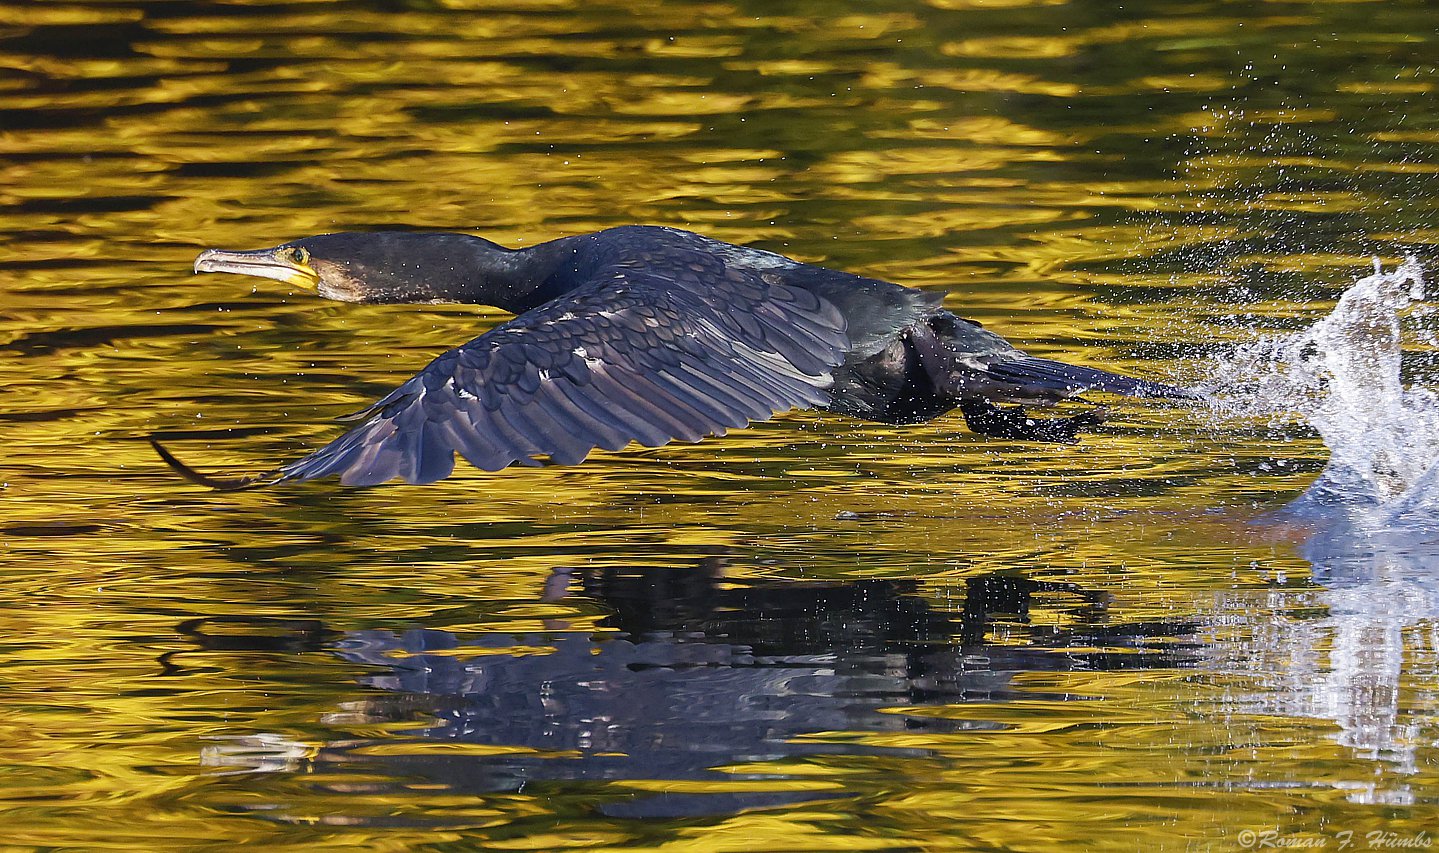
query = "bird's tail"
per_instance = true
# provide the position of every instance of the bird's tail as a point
(970, 362)
(1064, 380)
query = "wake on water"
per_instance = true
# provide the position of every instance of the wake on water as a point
(1343, 375)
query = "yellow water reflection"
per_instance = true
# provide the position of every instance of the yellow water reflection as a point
(819, 633)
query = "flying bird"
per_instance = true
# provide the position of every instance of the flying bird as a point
(648, 334)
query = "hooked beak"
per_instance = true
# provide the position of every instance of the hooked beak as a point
(278, 263)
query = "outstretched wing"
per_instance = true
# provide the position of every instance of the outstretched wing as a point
(639, 354)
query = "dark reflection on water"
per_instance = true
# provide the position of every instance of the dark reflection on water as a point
(694, 672)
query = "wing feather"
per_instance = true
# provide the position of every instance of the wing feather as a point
(643, 355)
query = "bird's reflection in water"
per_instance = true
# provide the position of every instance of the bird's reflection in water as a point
(696, 672)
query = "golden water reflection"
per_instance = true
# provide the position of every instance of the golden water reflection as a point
(823, 634)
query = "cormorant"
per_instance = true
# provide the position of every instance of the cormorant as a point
(648, 334)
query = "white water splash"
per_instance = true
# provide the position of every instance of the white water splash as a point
(1342, 375)
(1358, 648)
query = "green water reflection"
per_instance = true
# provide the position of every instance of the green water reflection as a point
(822, 634)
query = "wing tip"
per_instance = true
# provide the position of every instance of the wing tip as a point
(216, 483)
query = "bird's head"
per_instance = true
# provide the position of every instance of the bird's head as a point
(376, 266)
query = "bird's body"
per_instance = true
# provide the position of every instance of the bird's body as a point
(649, 334)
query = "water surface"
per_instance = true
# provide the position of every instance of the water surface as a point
(824, 634)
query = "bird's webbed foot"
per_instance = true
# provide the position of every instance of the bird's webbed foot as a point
(986, 418)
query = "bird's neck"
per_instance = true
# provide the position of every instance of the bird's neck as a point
(514, 280)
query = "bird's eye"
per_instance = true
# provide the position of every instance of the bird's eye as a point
(299, 255)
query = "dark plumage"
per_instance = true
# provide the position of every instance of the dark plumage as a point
(647, 334)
